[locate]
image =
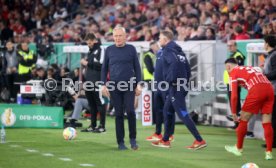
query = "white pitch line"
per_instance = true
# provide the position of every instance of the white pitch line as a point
(47, 154)
(65, 159)
(20, 141)
(32, 150)
(87, 165)
(14, 146)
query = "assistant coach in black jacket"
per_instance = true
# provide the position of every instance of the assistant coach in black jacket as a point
(122, 63)
(93, 74)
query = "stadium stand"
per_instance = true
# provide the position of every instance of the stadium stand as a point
(69, 21)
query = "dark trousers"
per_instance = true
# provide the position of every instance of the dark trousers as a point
(239, 98)
(175, 102)
(95, 107)
(2, 82)
(158, 111)
(124, 101)
(273, 121)
(24, 77)
(10, 78)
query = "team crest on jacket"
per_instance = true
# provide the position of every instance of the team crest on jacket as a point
(173, 99)
(181, 58)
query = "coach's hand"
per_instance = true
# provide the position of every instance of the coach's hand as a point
(138, 90)
(83, 62)
(105, 91)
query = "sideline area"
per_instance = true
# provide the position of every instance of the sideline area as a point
(41, 148)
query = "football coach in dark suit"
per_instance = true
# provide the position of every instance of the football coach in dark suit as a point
(122, 63)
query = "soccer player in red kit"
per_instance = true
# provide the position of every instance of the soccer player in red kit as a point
(260, 98)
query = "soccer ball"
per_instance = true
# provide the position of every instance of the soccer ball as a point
(250, 165)
(69, 133)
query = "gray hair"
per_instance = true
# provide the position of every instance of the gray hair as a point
(119, 27)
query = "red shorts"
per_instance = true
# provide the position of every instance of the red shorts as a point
(260, 97)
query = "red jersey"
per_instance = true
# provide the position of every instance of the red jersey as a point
(242, 36)
(247, 77)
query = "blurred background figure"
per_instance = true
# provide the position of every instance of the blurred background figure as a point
(26, 61)
(10, 68)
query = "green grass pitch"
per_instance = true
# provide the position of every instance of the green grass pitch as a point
(25, 148)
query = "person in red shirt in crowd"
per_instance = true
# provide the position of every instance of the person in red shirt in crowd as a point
(142, 7)
(132, 35)
(18, 28)
(239, 34)
(5, 13)
(260, 98)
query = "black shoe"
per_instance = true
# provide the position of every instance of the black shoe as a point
(89, 129)
(229, 117)
(72, 123)
(99, 130)
(122, 146)
(77, 124)
(235, 126)
(250, 135)
(66, 124)
(133, 144)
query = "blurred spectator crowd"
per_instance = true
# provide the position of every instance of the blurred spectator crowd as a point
(70, 20)
(11, 78)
